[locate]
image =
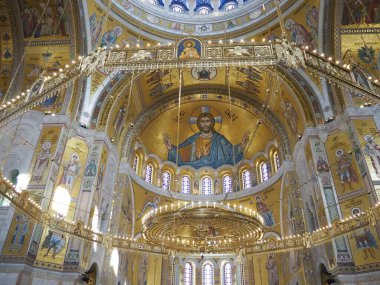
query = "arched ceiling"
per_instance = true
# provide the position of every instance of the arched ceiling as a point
(250, 89)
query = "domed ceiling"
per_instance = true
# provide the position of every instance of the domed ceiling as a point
(198, 17)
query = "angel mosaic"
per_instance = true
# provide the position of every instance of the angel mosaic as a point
(150, 203)
(53, 243)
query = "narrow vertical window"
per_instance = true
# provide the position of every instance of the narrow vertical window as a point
(242, 273)
(188, 274)
(135, 163)
(206, 186)
(208, 274)
(277, 163)
(227, 274)
(227, 183)
(264, 171)
(149, 173)
(173, 279)
(247, 180)
(166, 179)
(186, 184)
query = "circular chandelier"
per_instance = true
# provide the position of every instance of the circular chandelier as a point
(202, 227)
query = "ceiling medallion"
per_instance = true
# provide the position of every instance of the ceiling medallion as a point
(209, 227)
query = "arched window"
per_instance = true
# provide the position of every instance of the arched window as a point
(227, 274)
(247, 180)
(230, 6)
(177, 9)
(149, 173)
(135, 163)
(188, 274)
(186, 184)
(166, 178)
(206, 186)
(204, 11)
(227, 183)
(276, 159)
(264, 171)
(208, 274)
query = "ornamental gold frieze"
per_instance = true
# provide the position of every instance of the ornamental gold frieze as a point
(341, 75)
(188, 53)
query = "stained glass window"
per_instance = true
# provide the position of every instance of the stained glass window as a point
(186, 184)
(227, 271)
(247, 180)
(206, 185)
(227, 183)
(188, 276)
(153, 2)
(264, 171)
(208, 274)
(135, 163)
(149, 173)
(166, 177)
(276, 159)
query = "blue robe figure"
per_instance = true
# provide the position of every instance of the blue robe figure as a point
(109, 38)
(206, 148)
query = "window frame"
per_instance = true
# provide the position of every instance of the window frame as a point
(245, 181)
(151, 174)
(262, 178)
(276, 161)
(189, 184)
(200, 10)
(177, 9)
(191, 274)
(202, 185)
(135, 165)
(224, 184)
(211, 275)
(228, 5)
(169, 180)
(224, 277)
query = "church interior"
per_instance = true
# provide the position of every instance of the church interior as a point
(189, 142)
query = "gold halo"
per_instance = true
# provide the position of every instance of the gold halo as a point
(205, 109)
(191, 42)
